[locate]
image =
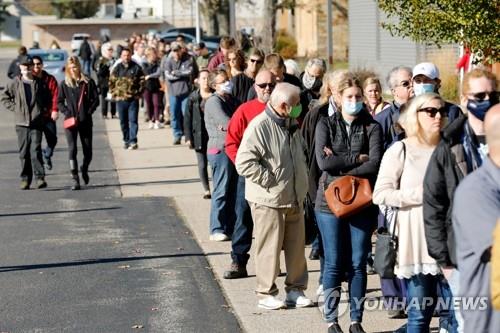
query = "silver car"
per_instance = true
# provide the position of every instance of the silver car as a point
(54, 61)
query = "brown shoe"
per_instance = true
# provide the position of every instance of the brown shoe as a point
(236, 272)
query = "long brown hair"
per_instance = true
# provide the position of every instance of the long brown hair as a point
(73, 60)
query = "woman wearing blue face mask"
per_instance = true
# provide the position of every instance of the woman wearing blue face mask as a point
(347, 143)
(218, 110)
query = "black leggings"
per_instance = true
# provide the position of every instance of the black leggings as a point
(85, 131)
(201, 156)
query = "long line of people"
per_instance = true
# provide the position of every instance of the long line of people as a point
(271, 138)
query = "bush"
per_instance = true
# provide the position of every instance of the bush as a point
(285, 45)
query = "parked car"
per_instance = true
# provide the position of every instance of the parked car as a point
(77, 40)
(54, 61)
(188, 38)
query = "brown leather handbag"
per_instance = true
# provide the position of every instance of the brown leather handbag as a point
(348, 195)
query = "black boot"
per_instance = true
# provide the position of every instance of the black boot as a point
(73, 166)
(85, 174)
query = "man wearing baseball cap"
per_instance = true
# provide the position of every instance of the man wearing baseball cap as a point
(24, 96)
(425, 80)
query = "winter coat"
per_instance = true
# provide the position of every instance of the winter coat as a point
(69, 97)
(194, 122)
(364, 137)
(126, 82)
(272, 159)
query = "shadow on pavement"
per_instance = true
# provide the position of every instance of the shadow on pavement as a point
(60, 211)
(100, 261)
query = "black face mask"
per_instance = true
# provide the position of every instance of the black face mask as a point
(316, 86)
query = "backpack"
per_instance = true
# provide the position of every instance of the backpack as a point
(495, 268)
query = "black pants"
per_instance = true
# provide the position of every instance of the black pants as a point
(106, 103)
(201, 156)
(85, 132)
(29, 140)
(50, 132)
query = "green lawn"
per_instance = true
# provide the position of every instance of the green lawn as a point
(10, 44)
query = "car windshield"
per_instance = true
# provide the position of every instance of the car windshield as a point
(56, 56)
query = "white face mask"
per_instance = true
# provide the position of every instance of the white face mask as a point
(227, 87)
(352, 108)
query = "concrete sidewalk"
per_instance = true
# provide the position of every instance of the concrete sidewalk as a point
(158, 168)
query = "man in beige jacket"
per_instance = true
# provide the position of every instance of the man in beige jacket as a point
(271, 157)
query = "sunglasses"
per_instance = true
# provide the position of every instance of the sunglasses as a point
(493, 95)
(256, 61)
(37, 64)
(404, 84)
(431, 112)
(264, 85)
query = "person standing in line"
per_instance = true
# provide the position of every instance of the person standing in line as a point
(24, 96)
(126, 84)
(400, 185)
(218, 110)
(103, 65)
(195, 129)
(51, 115)
(347, 143)
(78, 98)
(272, 159)
(373, 96)
(475, 214)
(152, 93)
(243, 82)
(178, 73)
(226, 43)
(243, 226)
(462, 150)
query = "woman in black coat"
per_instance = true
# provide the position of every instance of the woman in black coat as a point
(78, 99)
(347, 143)
(195, 130)
(103, 69)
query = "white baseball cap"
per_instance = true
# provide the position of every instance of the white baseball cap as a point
(426, 68)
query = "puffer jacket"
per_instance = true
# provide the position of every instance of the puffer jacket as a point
(365, 137)
(14, 100)
(446, 169)
(272, 159)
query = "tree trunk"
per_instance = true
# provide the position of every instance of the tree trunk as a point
(267, 31)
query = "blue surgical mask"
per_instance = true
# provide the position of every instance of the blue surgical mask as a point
(479, 109)
(352, 108)
(227, 87)
(423, 88)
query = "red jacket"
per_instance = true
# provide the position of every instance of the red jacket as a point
(239, 123)
(215, 61)
(50, 84)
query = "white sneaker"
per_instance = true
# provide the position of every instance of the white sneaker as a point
(320, 291)
(297, 299)
(151, 125)
(219, 237)
(271, 303)
(158, 125)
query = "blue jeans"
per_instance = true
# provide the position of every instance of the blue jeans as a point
(454, 283)
(222, 205)
(50, 132)
(447, 318)
(128, 112)
(421, 291)
(345, 237)
(243, 226)
(177, 109)
(86, 66)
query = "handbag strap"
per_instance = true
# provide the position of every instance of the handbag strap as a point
(393, 233)
(354, 190)
(80, 100)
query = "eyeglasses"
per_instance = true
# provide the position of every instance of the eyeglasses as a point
(404, 84)
(266, 85)
(431, 112)
(493, 95)
(258, 61)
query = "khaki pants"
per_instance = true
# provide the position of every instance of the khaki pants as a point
(277, 228)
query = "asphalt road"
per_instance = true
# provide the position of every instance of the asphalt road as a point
(91, 261)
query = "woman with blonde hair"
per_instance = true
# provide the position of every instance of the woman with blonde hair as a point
(349, 142)
(152, 94)
(77, 101)
(400, 185)
(373, 95)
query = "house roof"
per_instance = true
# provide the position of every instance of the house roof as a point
(90, 21)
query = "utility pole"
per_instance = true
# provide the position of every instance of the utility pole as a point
(329, 24)
(232, 18)
(198, 25)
